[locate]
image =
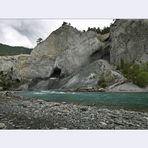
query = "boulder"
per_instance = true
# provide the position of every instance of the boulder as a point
(22, 87)
(125, 87)
(8, 75)
(30, 67)
(2, 126)
(44, 84)
(7, 62)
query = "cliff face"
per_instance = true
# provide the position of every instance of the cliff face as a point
(68, 48)
(129, 41)
(71, 59)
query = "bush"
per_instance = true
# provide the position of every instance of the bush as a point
(124, 68)
(102, 83)
(142, 79)
(135, 73)
(145, 67)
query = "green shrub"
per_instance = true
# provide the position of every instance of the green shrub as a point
(142, 79)
(133, 72)
(102, 83)
(138, 75)
(145, 67)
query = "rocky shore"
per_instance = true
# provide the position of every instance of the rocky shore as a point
(28, 113)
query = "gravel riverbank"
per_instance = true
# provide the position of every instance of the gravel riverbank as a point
(23, 113)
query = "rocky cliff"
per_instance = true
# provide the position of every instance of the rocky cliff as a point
(68, 48)
(71, 59)
(129, 41)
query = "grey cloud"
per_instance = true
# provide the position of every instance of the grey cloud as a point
(28, 30)
(25, 32)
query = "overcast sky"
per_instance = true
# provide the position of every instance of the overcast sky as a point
(24, 32)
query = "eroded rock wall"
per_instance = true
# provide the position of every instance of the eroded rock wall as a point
(129, 41)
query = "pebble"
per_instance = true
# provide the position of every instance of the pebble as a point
(2, 126)
(40, 114)
(103, 123)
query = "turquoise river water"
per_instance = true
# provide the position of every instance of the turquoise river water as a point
(125, 100)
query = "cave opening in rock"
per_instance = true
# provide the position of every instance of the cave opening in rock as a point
(56, 73)
(101, 54)
(106, 56)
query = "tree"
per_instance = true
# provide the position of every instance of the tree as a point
(88, 29)
(39, 40)
(98, 30)
(105, 30)
(64, 23)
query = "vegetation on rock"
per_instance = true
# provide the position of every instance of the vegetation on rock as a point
(102, 83)
(39, 40)
(65, 23)
(105, 30)
(99, 31)
(142, 79)
(138, 75)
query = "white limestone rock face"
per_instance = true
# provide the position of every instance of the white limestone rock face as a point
(68, 48)
(129, 41)
(8, 64)
(33, 67)
(25, 67)
(91, 74)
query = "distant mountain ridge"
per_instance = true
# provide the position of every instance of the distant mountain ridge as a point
(6, 50)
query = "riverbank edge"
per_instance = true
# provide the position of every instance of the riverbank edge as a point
(17, 112)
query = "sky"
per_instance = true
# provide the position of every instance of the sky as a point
(25, 32)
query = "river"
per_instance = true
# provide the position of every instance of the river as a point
(117, 100)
